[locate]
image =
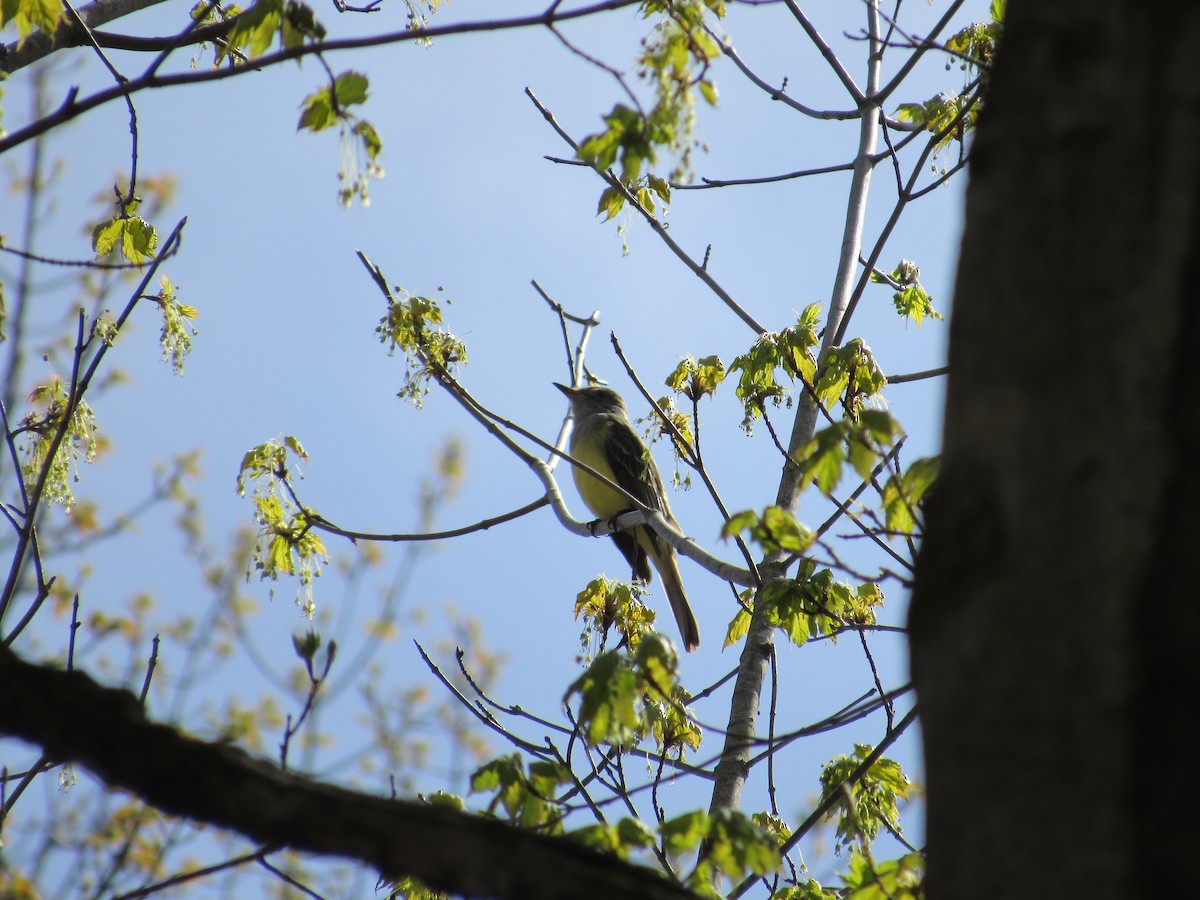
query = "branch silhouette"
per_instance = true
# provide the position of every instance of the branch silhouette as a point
(107, 731)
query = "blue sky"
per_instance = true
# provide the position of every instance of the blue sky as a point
(286, 343)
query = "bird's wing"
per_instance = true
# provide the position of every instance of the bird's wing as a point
(635, 471)
(633, 466)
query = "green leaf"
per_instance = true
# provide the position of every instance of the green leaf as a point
(254, 30)
(106, 236)
(782, 532)
(300, 23)
(903, 494)
(868, 805)
(822, 457)
(132, 236)
(618, 691)
(327, 106)
(893, 879)
(739, 522)
(684, 833)
(660, 186)
(790, 351)
(738, 846)
(738, 628)
(610, 702)
(139, 240)
(776, 530)
(31, 15)
(612, 199)
(371, 143)
(317, 111)
(351, 88)
(879, 425)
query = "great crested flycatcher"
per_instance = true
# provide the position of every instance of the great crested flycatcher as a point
(605, 440)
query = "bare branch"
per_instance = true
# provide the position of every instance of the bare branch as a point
(39, 45)
(73, 107)
(656, 226)
(918, 376)
(779, 93)
(830, 56)
(322, 523)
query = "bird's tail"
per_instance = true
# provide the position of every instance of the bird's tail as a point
(668, 571)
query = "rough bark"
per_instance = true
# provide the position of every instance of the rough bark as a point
(106, 731)
(1055, 620)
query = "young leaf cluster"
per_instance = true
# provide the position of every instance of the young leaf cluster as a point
(866, 879)
(655, 428)
(911, 300)
(957, 113)
(129, 236)
(862, 443)
(869, 804)
(620, 695)
(674, 62)
(176, 335)
(525, 796)
(256, 29)
(849, 376)
(359, 142)
(49, 402)
(893, 879)
(976, 44)
(776, 530)
(286, 543)
(734, 845)
(606, 603)
(621, 839)
(790, 350)
(811, 605)
(696, 378)
(412, 325)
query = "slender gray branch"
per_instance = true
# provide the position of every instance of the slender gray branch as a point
(74, 106)
(697, 269)
(39, 45)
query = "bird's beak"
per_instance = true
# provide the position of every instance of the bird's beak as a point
(570, 392)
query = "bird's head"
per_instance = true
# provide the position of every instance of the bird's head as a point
(588, 400)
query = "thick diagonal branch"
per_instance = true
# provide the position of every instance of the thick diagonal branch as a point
(106, 730)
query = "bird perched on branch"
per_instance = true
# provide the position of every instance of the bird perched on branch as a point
(605, 440)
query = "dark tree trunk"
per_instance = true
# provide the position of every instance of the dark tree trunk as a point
(1056, 616)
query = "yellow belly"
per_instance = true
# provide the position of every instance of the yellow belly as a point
(602, 500)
